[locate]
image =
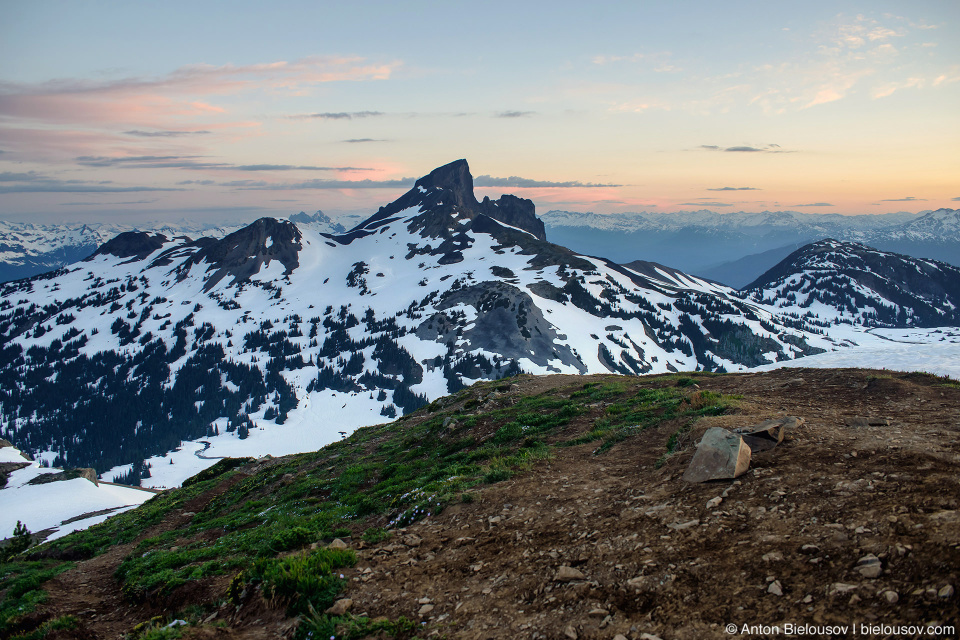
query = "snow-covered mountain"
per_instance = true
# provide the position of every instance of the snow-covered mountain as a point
(278, 336)
(28, 249)
(855, 283)
(735, 248)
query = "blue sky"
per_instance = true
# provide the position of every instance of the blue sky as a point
(210, 109)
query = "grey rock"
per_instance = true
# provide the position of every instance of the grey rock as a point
(869, 566)
(769, 433)
(568, 574)
(721, 455)
(340, 607)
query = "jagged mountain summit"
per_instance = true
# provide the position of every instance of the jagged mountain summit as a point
(853, 283)
(278, 336)
(28, 249)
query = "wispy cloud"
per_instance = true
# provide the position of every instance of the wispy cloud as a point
(260, 185)
(705, 204)
(514, 114)
(184, 92)
(735, 189)
(957, 199)
(100, 204)
(72, 186)
(336, 115)
(815, 204)
(164, 134)
(30, 176)
(907, 199)
(516, 182)
(193, 162)
(359, 140)
(766, 148)
(33, 182)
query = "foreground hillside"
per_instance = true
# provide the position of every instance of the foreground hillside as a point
(547, 507)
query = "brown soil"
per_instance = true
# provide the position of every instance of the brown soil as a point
(654, 558)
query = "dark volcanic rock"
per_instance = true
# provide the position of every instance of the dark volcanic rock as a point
(131, 244)
(445, 200)
(243, 252)
(508, 323)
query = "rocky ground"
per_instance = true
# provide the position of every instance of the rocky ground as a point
(853, 520)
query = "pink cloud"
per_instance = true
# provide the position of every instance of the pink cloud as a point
(153, 101)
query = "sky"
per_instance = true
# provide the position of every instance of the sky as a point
(227, 111)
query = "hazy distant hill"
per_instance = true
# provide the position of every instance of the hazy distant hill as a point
(728, 247)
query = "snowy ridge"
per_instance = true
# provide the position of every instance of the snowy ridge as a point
(279, 337)
(29, 248)
(856, 284)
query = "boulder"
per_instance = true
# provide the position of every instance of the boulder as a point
(769, 433)
(721, 455)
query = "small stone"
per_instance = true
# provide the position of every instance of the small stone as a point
(424, 601)
(891, 597)
(946, 592)
(808, 599)
(598, 613)
(494, 520)
(841, 587)
(340, 607)
(775, 588)
(337, 544)
(619, 636)
(682, 526)
(425, 609)
(570, 632)
(869, 566)
(809, 548)
(713, 503)
(568, 574)
(411, 540)
(773, 556)
(649, 636)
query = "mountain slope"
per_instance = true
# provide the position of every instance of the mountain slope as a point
(856, 283)
(155, 340)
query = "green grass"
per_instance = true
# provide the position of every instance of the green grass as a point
(304, 583)
(57, 624)
(21, 589)
(632, 413)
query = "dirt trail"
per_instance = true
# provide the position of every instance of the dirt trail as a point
(591, 546)
(91, 592)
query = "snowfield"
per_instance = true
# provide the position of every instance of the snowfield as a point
(58, 507)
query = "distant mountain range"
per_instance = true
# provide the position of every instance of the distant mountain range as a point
(278, 335)
(735, 248)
